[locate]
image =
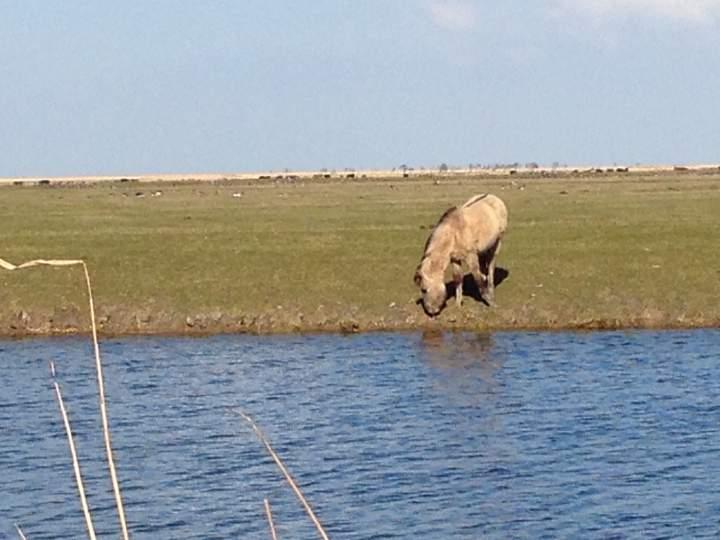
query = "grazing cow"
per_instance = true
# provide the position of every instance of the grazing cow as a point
(471, 233)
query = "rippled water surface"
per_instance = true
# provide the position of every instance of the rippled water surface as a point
(506, 435)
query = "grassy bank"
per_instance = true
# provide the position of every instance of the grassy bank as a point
(606, 250)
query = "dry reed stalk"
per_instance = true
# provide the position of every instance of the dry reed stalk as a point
(285, 472)
(98, 366)
(103, 412)
(76, 464)
(268, 512)
(20, 532)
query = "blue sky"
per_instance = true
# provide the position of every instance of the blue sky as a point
(131, 87)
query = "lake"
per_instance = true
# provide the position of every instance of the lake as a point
(390, 435)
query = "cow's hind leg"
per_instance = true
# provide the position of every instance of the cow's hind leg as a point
(487, 264)
(458, 280)
(473, 263)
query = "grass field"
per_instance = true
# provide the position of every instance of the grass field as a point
(596, 251)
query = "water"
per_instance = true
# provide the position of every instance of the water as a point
(506, 435)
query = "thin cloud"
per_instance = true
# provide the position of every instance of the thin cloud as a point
(686, 11)
(453, 14)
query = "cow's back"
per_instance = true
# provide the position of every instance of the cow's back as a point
(500, 210)
(484, 220)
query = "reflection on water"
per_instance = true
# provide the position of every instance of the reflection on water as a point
(457, 350)
(439, 435)
(465, 364)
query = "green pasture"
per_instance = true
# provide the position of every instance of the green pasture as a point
(597, 251)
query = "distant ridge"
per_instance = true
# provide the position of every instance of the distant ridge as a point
(359, 173)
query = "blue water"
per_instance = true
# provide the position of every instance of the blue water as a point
(437, 436)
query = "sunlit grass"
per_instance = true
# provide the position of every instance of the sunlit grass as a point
(610, 251)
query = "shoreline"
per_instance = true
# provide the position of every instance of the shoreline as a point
(266, 325)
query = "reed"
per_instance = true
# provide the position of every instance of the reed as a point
(101, 388)
(20, 532)
(286, 474)
(103, 411)
(268, 513)
(76, 464)
(106, 428)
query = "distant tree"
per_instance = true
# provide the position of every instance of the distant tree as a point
(443, 167)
